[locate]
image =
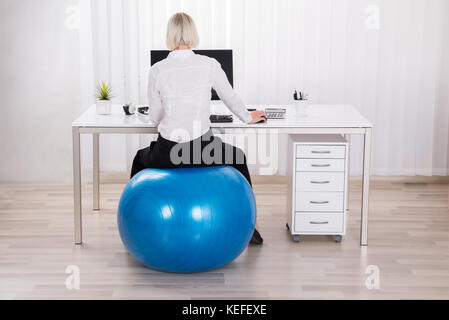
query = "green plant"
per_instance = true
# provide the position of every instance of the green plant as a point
(104, 91)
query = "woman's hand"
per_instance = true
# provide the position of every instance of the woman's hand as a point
(258, 116)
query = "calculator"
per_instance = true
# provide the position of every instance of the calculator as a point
(275, 113)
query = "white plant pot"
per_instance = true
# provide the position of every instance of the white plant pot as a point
(103, 107)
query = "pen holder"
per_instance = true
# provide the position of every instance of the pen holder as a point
(301, 107)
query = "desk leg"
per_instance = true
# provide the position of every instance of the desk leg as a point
(77, 184)
(365, 186)
(348, 174)
(96, 171)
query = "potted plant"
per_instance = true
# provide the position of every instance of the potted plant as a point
(104, 95)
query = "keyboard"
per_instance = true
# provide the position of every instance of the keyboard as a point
(275, 113)
(215, 118)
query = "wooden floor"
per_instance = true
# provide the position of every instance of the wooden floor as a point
(409, 242)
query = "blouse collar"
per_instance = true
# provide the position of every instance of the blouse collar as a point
(181, 53)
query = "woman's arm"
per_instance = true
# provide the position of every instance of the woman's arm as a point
(154, 100)
(230, 98)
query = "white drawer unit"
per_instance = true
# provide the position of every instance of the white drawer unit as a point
(317, 171)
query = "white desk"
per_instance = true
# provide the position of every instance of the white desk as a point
(322, 119)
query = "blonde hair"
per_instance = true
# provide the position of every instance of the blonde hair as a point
(181, 31)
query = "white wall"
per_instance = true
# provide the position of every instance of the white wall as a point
(398, 76)
(40, 90)
(391, 68)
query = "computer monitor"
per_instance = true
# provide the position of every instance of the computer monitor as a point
(224, 57)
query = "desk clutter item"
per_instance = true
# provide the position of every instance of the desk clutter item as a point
(317, 167)
(104, 93)
(301, 103)
(131, 109)
(302, 108)
(301, 96)
(144, 110)
(275, 113)
(215, 118)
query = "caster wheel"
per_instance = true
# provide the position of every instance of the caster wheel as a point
(337, 239)
(296, 238)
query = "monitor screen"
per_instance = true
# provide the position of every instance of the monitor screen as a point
(224, 57)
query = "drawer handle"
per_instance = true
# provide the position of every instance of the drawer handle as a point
(321, 165)
(319, 222)
(319, 202)
(321, 152)
(320, 182)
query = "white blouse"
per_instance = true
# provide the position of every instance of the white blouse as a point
(179, 94)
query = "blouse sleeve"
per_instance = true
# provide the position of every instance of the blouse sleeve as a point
(154, 100)
(230, 98)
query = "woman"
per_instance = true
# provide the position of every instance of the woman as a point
(179, 93)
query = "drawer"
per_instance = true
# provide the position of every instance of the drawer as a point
(319, 223)
(320, 181)
(320, 152)
(320, 201)
(320, 165)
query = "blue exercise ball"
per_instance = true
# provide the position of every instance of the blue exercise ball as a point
(187, 220)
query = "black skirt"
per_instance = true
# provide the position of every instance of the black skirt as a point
(204, 151)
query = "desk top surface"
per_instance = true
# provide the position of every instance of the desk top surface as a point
(318, 116)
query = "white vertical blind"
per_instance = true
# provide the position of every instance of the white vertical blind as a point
(395, 75)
